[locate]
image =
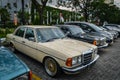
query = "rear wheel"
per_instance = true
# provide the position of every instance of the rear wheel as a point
(51, 67)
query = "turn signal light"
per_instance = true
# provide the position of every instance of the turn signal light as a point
(69, 62)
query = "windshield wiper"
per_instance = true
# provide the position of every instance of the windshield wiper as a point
(51, 39)
(63, 37)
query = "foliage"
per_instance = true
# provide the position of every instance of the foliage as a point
(5, 15)
(105, 12)
(40, 8)
(5, 31)
(26, 16)
(83, 6)
(54, 13)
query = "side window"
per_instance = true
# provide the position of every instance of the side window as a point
(20, 32)
(30, 34)
(87, 28)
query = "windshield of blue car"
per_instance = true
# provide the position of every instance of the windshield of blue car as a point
(49, 34)
(95, 27)
(76, 30)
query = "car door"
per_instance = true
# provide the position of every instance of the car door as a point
(30, 42)
(18, 38)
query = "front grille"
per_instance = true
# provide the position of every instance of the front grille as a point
(87, 58)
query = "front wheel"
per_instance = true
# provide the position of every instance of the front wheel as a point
(51, 67)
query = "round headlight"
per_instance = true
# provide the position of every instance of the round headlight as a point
(79, 59)
(94, 53)
(74, 60)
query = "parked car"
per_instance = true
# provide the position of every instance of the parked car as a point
(93, 30)
(114, 27)
(48, 45)
(76, 32)
(114, 33)
(11, 67)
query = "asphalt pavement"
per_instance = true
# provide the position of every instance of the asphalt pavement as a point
(107, 66)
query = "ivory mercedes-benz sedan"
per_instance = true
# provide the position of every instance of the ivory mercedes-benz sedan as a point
(48, 44)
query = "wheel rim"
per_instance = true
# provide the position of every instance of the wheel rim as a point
(50, 67)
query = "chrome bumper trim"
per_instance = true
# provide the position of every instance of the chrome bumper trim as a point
(77, 69)
(104, 46)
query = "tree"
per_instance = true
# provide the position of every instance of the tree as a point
(26, 16)
(106, 12)
(40, 8)
(5, 16)
(23, 19)
(82, 6)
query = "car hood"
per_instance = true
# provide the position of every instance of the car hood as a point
(86, 36)
(10, 65)
(69, 47)
(94, 37)
(102, 34)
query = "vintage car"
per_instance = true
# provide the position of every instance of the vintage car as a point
(76, 32)
(48, 45)
(113, 32)
(114, 27)
(11, 67)
(93, 30)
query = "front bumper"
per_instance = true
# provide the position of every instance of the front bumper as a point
(110, 41)
(103, 46)
(78, 68)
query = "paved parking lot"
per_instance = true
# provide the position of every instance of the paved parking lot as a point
(107, 66)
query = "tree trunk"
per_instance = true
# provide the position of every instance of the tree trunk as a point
(40, 8)
(86, 15)
(23, 19)
(32, 12)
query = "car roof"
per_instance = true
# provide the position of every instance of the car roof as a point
(37, 26)
(66, 25)
(111, 24)
(76, 22)
(10, 65)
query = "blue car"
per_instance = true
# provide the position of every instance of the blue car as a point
(11, 67)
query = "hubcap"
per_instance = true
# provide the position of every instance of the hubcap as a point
(50, 66)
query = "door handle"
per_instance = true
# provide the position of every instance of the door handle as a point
(13, 38)
(23, 41)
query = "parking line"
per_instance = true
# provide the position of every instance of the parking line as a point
(35, 77)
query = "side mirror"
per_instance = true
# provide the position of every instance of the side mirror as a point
(67, 33)
(86, 31)
(31, 39)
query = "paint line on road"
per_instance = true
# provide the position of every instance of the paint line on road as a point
(35, 77)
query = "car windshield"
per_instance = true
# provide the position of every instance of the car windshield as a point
(49, 34)
(76, 30)
(95, 27)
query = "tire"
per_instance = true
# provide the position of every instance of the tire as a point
(51, 67)
(12, 47)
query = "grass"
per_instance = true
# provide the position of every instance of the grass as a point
(5, 31)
